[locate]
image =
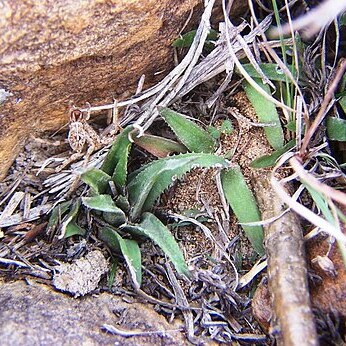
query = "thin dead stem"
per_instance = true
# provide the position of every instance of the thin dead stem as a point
(322, 112)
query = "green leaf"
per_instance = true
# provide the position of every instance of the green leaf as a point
(159, 146)
(57, 213)
(115, 163)
(70, 217)
(266, 113)
(336, 129)
(322, 203)
(243, 204)
(115, 219)
(111, 274)
(132, 254)
(186, 40)
(342, 19)
(97, 180)
(107, 236)
(272, 71)
(129, 249)
(214, 132)
(226, 127)
(123, 203)
(342, 102)
(146, 185)
(73, 229)
(153, 228)
(270, 160)
(101, 203)
(191, 135)
(291, 126)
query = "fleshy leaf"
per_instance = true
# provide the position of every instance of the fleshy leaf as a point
(115, 219)
(123, 203)
(101, 203)
(243, 204)
(272, 71)
(336, 129)
(266, 113)
(115, 163)
(190, 134)
(270, 160)
(57, 213)
(106, 235)
(159, 146)
(73, 229)
(70, 217)
(154, 229)
(150, 181)
(97, 180)
(129, 249)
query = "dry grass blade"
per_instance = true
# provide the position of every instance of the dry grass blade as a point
(182, 300)
(129, 333)
(216, 62)
(12, 205)
(210, 236)
(309, 179)
(250, 275)
(35, 213)
(303, 211)
(322, 112)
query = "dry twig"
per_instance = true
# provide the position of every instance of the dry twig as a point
(287, 270)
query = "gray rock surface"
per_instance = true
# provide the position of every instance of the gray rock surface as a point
(37, 315)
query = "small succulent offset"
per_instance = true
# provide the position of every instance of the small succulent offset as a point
(123, 202)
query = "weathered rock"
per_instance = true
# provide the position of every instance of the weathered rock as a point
(36, 315)
(53, 52)
(83, 275)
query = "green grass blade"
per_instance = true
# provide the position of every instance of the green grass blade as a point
(322, 204)
(336, 129)
(97, 180)
(115, 163)
(266, 113)
(270, 160)
(129, 249)
(191, 135)
(146, 186)
(243, 204)
(154, 229)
